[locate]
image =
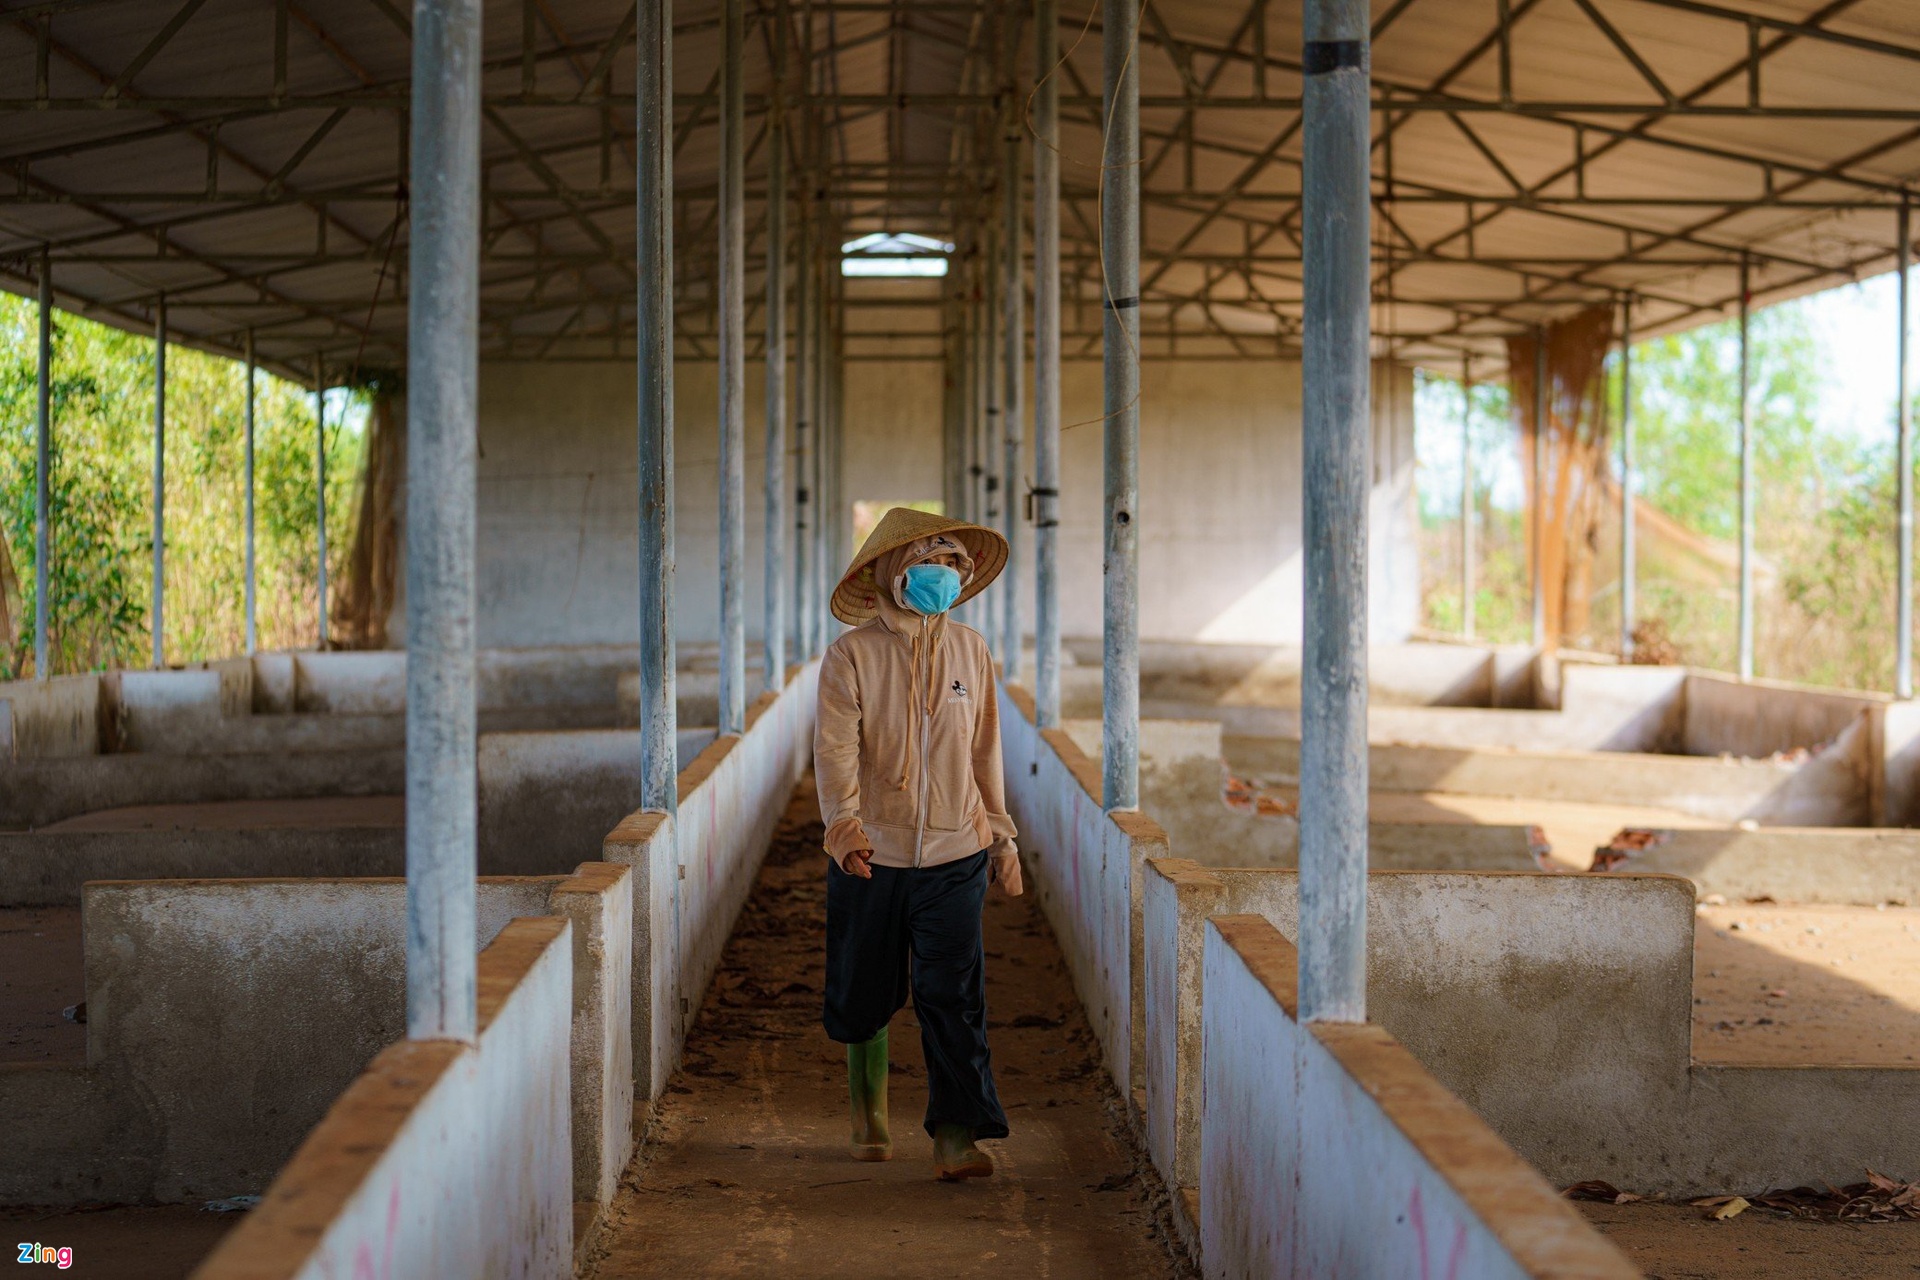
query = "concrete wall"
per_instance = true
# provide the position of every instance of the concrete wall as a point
(441, 1159)
(1176, 673)
(548, 799)
(1219, 507)
(50, 718)
(224, 1017)
(598, 901)
(48, 868)
(1548, 1003)
(1330, 1152)
(1183, 778)
(1558, 1007)
(694, 869)
(1860, 866)
(1085, 868)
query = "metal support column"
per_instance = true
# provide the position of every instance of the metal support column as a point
(805, 439)
(773, 630)
(1537, 530)
(1628, 556)
(1337, 421)
(443, 336)
(1046, 365)
(987, 605)
(1746, 485)
(42, 475)
(733, 374)
(1120, 264)
(158, 614)
(653, 195)
(1466, 497)
(320, 485)
(252, 583)
(1012, 421)
(1903, 430)
(827, 564)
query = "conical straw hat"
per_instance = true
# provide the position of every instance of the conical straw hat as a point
(857, 598)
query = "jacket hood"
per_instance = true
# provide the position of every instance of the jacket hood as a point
(890, 574)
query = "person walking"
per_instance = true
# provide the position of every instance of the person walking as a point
(906, 757)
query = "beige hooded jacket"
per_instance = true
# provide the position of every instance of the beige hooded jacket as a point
(906, 747)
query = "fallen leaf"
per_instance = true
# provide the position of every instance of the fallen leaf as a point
(1731, 1209)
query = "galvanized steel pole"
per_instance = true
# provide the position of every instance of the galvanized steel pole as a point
(159, 610)
(1903, 429)
(42, 474)
(1012, 419)
(1046, 366)
(804, 439)
(1466, 497)
(1746, 486)
(828, 563)
(1337, 421)
(1628, 571)
(1537, 534)
(443, 314)
(653, 197)
(733, 375)
(320, 484)
(253, 634)
(991, 430)
(773, 630)
(1120, 264)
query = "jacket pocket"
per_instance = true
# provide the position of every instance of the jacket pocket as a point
(882, 800)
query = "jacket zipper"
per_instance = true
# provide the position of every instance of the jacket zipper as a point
(920, 819)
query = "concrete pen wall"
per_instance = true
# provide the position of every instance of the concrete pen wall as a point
(224, 1017)
(1085, 867)
(694, 869)
(441, 1159)
(1329, 1151)
(1559, 1008)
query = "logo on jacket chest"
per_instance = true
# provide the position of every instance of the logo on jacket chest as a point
(958, 693)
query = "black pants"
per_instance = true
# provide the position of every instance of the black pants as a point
(932, 914)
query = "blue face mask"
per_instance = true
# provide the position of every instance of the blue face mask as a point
(932, 588)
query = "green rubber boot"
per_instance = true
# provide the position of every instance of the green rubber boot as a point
(955, 1157)
(867, 1095)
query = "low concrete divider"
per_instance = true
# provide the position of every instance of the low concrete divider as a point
(1329, 1151)
(441, 1159)
(42, 869)
(1085, 866)
(1559, 1008)
(224, 1016)
(1860, 866)
(549, 794)
(1830, 790)
(693, 869)
(1184, 784)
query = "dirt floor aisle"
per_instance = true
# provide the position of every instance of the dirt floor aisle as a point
(747, 1172)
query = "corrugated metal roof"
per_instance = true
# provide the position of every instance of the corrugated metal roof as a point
(1631, 147)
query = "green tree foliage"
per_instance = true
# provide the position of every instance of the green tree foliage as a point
(101, 503)
(1824, 533)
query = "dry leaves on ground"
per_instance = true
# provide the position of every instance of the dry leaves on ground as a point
(1878, 1199)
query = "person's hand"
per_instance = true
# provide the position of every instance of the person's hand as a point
(1006, 873)
(857, 863)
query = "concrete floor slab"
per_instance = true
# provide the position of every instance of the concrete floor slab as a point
(40, 974)
(312, 812)
(1677, 1242)
(1796, 985)
(748, 1173)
